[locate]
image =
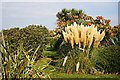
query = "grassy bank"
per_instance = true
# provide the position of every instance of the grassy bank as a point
(63, 75)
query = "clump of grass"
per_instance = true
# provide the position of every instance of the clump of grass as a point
(85, 37)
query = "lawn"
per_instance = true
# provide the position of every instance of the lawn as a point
(62, 76)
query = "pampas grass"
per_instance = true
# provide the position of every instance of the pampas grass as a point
(77, 66)
(84, 36)
(65, 59)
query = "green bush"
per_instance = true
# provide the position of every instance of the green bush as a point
(74, 55)
(20, 64)
(31, 36)
(107, 59)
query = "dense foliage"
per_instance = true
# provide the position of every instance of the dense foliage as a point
(20, 64)
(72, 15)
(107, 59)
(34, 51)
(31, 37)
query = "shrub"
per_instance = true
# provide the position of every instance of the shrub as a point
(31, 37)
(107, 59)
(20, 64)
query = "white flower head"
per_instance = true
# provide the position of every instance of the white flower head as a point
(65, 59)
(77, 66)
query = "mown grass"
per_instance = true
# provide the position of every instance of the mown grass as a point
(63, 76)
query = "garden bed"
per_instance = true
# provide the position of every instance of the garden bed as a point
(78, 48)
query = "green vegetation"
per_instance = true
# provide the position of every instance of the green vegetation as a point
(23, 64)
(31, 37)
(107, 59)
(62, 76)
(36, 52)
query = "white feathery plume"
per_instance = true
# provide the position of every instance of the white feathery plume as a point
(91, 32)
(77, 66)
(95, 31)
(76, 35)
(98, 38)
(65, 59)
(64, 35)
(72, 40)
(83, 35)
(84, 43)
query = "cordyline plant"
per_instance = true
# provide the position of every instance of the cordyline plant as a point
(84, 37)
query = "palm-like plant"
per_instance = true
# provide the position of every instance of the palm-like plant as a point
(69, 16)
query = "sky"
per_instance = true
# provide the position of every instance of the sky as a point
(22, 14)
(59, 0)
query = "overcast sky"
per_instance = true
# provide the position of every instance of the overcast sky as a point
(59, 0)
(21, 14)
